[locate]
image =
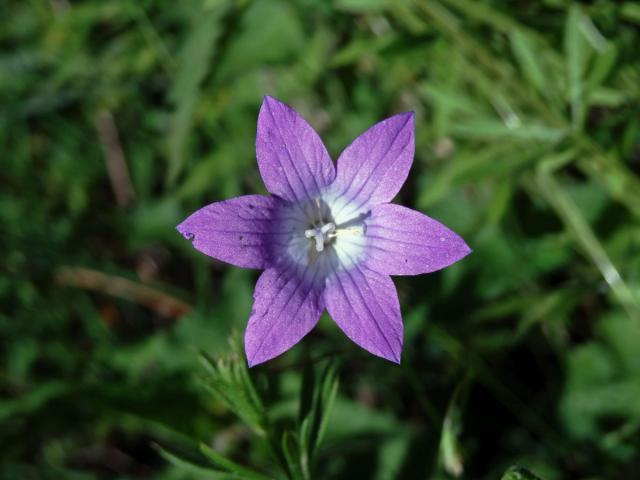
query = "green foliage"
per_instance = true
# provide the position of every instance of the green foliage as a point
(119, 118)
(293, 449)
(517, 473)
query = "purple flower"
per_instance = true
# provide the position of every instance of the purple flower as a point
(326, 237)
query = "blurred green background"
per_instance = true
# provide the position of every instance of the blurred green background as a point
(119, 118)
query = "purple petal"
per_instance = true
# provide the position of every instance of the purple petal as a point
(401, 241)
(292, 159)
(287, 305)
(375, 166)
(365, 306)
(239, 231)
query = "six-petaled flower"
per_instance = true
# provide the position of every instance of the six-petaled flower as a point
(326, 237)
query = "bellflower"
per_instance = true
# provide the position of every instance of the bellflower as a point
(326, 237)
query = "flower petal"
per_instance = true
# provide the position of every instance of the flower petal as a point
(365, 306)
(292, 159)
(401, 241)
(287, 305)
(239, 231)
(373, 168)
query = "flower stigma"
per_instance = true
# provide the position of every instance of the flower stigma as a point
(321, 235)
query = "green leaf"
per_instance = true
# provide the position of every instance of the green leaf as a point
(602, 66)
(529, 60)
(230, 465)
(326, 399)
(584, 235)
(487, 128)
(270, 31)
(362, 6)
(449, 97)
(229, 381)
(33, 400)
(290, 445)
(316, 400)
(519, 473)
(192, 467)
(356, 49)
(450, 449)
(631, 12)
(194, 62)
(622, 334)
(577, 54)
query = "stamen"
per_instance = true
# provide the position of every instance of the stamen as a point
(352, 231)
(327, 228)
(318, 209)
(321, 235)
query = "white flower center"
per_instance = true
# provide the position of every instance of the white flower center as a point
(325, 235)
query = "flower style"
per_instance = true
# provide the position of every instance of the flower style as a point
(326, 237)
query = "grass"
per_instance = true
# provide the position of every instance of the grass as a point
(119, 118)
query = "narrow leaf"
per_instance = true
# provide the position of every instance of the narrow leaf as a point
(582, 232)
(577, 54)
(194, 62)
(519, 473)
(230, 465)
(529, 60)
(190, 465)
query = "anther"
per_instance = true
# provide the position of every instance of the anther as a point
(353, 231)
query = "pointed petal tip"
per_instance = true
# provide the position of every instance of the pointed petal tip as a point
(267, 102)
(411, 120)
(252, 358)
(393, 357)
(390, 356)
(255, 358)
(273, 104)
(402, 118)
(268, 99)
(185, 231)
(406, 116)
(252, 363)
(464, 249)
(460, 251)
